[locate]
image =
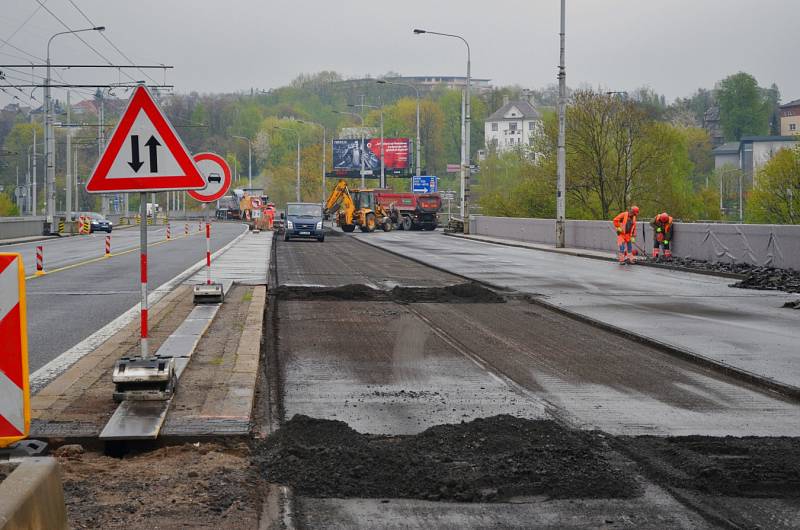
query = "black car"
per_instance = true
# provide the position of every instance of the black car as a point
(98, 223)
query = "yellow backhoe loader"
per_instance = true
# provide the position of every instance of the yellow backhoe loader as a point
(356, 208)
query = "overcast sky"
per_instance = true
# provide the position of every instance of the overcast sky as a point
(672, 46)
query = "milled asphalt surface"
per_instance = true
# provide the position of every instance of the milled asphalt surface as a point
(393, 368)
(743, 328)
(67, 306)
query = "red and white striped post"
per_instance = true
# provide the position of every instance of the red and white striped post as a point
(208, 253)
(108, 245)
(200, 225)
(143, 270)
(39, 260)
(169, 235)
(186, 229)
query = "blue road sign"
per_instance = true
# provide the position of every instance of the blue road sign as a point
(424, 184)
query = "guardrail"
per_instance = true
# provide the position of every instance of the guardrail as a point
(769, 245)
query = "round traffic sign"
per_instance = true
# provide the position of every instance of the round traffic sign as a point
(217, 175)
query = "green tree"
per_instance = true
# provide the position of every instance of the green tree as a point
(744, 108)
(776, 195)
(7, 207)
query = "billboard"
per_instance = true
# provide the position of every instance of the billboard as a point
(347, 154)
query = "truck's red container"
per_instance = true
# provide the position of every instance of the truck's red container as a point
(411, 211)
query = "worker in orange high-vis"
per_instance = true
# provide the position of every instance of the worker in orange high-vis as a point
(625, 223)
(662, 235)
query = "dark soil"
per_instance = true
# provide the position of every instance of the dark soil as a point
(6, 470)
(741, 467)
(755, 277)
(491, 459)
(793, 304)
(468, 292)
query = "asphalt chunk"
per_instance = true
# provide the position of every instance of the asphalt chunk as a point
(485, 460)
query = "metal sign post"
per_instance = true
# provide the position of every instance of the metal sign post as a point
(143, 269)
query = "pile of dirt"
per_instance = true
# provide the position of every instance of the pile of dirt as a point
(742, 467)
(702, 265)
(467, 292)
(793, 304)
(491, 459)
(771, 279)
(6, 470)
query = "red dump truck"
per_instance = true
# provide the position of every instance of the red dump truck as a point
(411, 211)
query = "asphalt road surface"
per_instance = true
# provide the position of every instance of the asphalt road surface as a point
(342, 349)
(66, 306)
(744, 328)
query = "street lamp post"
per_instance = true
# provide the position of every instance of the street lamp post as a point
(561, 179)
(297, 182)
(49, 143)
(465, 147)
(249, 160)
(361, 147)
(416, 89)
(324, 146)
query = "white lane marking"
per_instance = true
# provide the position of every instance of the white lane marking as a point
(44, 375)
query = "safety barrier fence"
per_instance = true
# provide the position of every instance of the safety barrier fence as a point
(768, 245)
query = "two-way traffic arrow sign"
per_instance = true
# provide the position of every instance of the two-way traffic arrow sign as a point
(168, 165)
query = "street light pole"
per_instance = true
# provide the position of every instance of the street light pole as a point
(418, 154)
(465, 138)
(49, 143)
(562, 152)
(297, 182)
(249, 160)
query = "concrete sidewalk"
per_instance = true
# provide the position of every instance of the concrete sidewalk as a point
(745, 331)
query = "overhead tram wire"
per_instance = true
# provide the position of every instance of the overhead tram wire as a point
(107, 39)
(6, 43)
(19, 28)
(80, 38)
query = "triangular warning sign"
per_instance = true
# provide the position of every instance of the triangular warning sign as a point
(144, 153)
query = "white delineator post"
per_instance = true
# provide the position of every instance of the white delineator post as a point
(208, 252)
(143, 270)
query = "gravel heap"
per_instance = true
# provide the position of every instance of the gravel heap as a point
(466, 292)
(491, 459)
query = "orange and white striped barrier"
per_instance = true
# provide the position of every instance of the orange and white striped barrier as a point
(84, 225)
(169, 234)
(15, 414)
(186, 229)
(39, 260)
(108, 245)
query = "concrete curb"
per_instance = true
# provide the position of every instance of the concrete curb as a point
(32, 496)
(583, 254)
(761, 382)
(32, 239)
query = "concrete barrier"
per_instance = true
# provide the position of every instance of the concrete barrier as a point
(772, 245)
(14, 227)
(32, 496)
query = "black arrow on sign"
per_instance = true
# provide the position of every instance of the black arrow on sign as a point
(135, 163)
(152, 143)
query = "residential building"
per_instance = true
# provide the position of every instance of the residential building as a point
(790, 118)
(512, 126)
(755, 151)
(711, 123)
(726, 154)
